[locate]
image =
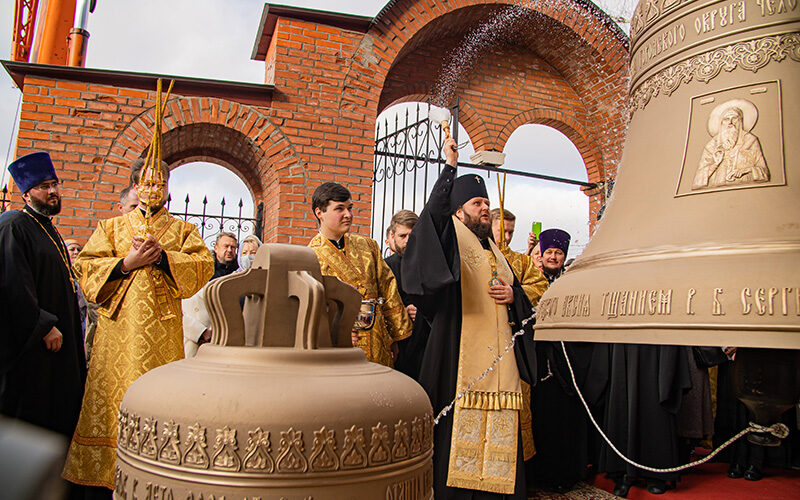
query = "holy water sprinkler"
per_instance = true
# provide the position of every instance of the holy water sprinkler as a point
(442, 116)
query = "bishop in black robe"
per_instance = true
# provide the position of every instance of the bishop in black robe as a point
(38, 386)
(431, 277)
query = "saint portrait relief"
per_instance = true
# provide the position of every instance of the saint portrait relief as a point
(733, 156)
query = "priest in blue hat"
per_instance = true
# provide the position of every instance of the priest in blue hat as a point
(554, 245)
(464, 287)
(42, 363)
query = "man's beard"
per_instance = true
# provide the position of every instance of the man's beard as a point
(729, 136)
(156, 207)
(45, 208)
(551, 270)
(482, 230)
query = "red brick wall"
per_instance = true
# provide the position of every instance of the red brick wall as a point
(567, 70)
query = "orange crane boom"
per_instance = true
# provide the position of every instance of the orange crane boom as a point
(24, 20)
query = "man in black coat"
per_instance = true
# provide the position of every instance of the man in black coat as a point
(411, 349)
(42, 361)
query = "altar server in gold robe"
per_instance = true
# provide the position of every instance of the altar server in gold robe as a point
(356, 260)
(138, 278)
(530, 277)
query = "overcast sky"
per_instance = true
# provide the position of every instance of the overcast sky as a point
(214, 39)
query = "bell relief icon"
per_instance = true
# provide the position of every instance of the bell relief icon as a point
(733, 156)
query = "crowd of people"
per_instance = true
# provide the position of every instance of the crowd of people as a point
(132, 299)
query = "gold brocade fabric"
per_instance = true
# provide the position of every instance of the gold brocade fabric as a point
(534, 284)
(139, 327)
(530, 277)
(360, 265)
(526, 423)
(483, 448)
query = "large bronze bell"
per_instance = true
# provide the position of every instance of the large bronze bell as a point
(292, 417)
(700, 244)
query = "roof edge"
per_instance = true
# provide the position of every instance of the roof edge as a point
(271, 13)
(258, 94)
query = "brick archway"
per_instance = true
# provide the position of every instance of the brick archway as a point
(235, 136)
(567, 125)
(566, 68)
(327, 77)
(468, 116)
(582, 140)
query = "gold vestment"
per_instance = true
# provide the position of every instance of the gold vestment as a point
(360, 265)
(534, 284)
(530, 277)
(483, 447)
(139, 327)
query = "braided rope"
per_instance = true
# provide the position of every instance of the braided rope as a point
(485, 373)
(778, 430)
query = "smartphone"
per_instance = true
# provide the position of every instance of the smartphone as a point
(536, 229)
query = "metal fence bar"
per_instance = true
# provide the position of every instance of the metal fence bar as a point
(414, 147)
(492, 168)
(4, 200)
(210, 224)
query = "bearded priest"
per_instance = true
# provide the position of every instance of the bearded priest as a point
(465, 288)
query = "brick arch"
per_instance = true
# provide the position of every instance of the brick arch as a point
(395, 27)
(573, 56)
(468, 116)
(567, 125)
(235, 136)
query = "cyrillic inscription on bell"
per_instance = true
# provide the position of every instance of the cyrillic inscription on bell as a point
(293, 416)
(700, 244)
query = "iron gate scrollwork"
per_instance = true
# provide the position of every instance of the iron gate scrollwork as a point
(210, 225)
(402, 174)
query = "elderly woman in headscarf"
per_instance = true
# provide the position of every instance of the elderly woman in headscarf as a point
(196, 322)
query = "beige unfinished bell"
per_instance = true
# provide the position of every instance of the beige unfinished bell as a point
(700, 244)
(291, 417)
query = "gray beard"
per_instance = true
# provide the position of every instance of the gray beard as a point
(729, 137)
(482, 230)
(44, 208)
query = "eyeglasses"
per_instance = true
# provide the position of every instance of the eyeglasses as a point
(47, 186)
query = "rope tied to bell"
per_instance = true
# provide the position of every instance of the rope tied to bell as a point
(779, 430)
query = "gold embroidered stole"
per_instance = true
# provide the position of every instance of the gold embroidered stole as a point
(160, 223)
(483, 447)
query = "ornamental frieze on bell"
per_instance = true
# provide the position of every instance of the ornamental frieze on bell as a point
(278, 405)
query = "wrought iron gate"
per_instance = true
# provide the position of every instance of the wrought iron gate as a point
(210, 224)
(409, 159)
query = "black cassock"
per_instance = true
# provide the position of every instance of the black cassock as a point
(431, 277)
(646, 383)
(566, 442)
(36, 385)
(411, 349)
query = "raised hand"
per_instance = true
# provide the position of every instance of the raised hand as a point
(451, 151)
